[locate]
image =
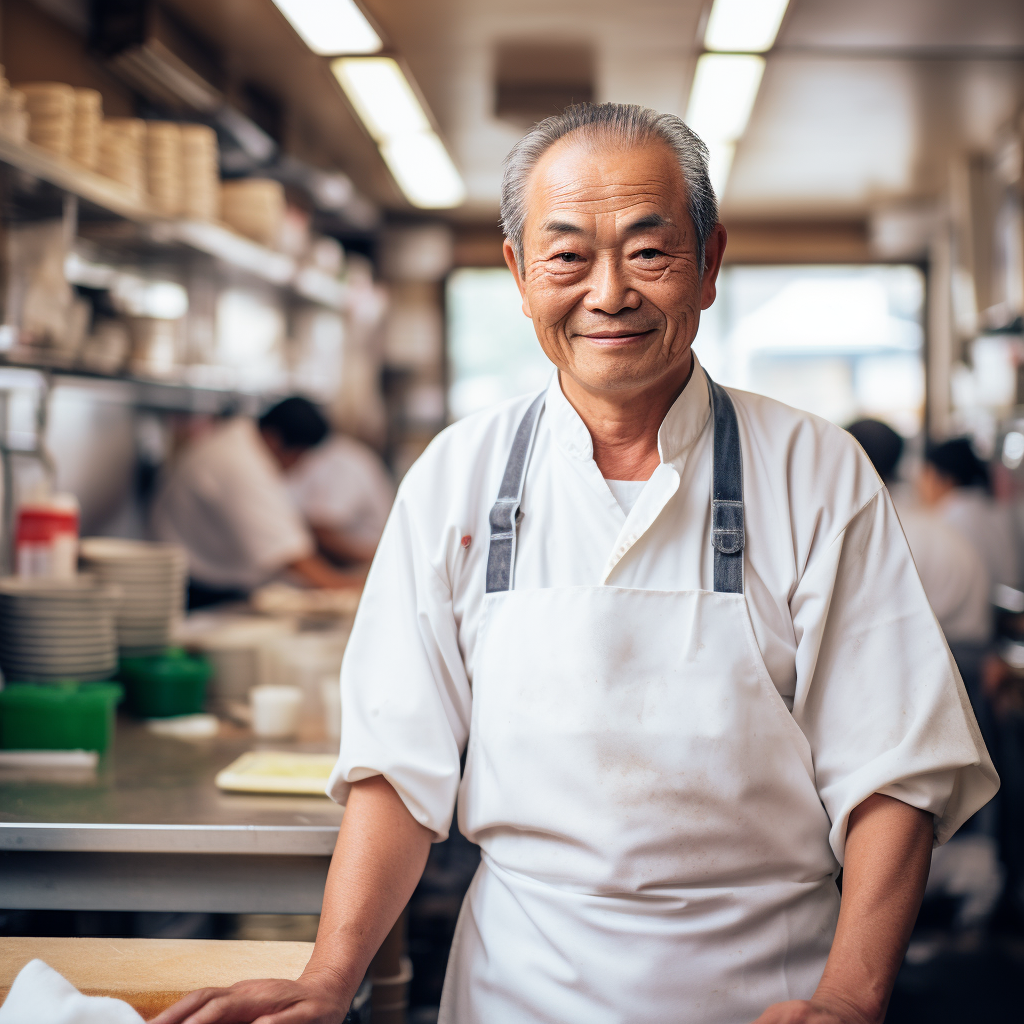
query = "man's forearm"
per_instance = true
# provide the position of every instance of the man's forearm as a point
(378, 859)
(888, 852)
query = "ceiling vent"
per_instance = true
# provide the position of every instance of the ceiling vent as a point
(536, 80)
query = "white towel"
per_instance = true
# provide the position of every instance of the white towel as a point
(40, 995)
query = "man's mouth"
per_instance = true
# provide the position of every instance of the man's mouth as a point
(612, 339)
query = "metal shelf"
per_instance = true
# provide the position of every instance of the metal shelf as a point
(178, 395)
(212, 239)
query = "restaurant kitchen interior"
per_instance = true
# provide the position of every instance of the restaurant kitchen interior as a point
(208, 207)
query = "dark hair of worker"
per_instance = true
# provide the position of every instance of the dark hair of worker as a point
(297, 422)
(882, 445)
(956, 460)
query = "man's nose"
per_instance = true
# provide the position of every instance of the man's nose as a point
(610, 291)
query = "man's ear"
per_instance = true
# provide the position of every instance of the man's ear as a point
(714, 250)
(510, 259)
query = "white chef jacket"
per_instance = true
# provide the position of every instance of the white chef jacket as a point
(955, 579)
(344, 485)
(225, 501)
(835, 602)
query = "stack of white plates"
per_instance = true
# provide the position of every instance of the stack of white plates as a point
(200, 173)
(151, 580)
(85, 132)
(51, 110)
(57, 629)
(163, 165)
(254, 207)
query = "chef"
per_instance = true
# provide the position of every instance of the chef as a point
(675, 631)
(225, 500)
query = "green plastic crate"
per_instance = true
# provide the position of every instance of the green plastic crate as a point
(58, 716)
(163, 685)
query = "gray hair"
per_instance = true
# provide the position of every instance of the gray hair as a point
(628, 123)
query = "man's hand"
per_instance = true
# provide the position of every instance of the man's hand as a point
(377, 862)
(306, 1001)
(888, 852)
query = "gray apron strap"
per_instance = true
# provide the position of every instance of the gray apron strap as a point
(501, 557)
(726, 494)
(726, 498)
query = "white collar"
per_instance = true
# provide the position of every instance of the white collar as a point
(682, 425)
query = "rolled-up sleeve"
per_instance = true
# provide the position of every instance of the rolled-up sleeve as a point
(404, 691)
(878, 695)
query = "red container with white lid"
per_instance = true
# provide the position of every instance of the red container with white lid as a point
(46, 538)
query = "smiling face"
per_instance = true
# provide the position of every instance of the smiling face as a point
(610, 275)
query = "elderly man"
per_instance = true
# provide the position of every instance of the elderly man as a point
(678, 635)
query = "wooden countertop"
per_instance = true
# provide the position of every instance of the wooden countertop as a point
(152, 974)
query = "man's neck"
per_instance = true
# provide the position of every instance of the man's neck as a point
(624, 425)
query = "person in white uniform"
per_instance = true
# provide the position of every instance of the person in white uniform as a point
(225, 500)
(678, 723)
(954, 483)
(344, 492)
(954, 576)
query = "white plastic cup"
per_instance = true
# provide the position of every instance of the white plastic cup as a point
(330, 690)
(275, 711)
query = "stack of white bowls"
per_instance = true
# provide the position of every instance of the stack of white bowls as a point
(85, 130)
(151, 580)
(254, 207)
(200, 173)
(163, 165)
(122, 154)
(51, 111)
(57, 629)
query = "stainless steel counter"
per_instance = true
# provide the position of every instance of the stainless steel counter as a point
(150, 831)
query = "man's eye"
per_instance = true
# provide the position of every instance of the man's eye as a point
(649, 254)
(568, 257)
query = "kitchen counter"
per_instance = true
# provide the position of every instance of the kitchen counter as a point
(149, 831)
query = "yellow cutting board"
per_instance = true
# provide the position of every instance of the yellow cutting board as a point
(277, 771)
(152, 974)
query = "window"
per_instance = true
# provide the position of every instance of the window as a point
(839, 341)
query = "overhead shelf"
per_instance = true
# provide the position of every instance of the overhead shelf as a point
(180, 395)
(212, 239)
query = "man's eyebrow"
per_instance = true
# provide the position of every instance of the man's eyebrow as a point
(562, 227)
(652, 220)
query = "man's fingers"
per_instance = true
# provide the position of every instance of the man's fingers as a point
(180, 1011)
(240, 1007)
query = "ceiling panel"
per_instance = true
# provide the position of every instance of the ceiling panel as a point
(904, 24)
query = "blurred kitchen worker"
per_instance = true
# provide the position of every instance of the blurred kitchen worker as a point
(225, 500)
(345, 493)
(954, 577)
(681, 632)
(955, 482)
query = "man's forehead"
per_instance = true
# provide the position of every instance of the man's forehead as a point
(590, 177)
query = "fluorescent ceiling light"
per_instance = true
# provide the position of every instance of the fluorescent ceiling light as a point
(382, 96)
(744, 26)
(720, 156)
(331, 26)
(387, 104)
(424, 170)
(724, 89)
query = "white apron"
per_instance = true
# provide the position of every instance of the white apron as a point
(654, 849)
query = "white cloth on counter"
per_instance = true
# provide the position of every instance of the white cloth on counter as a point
(343, 484)
(226, 501)
(837, 608)
(954, 576)
(40, 995)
